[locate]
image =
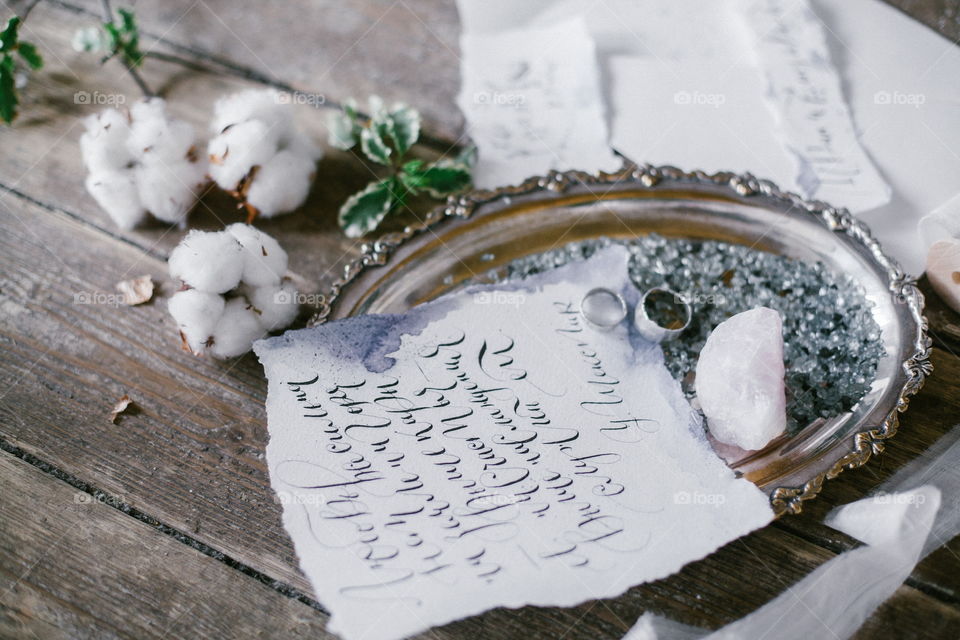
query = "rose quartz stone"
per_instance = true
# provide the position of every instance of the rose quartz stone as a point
(943, 271)
(740, 379)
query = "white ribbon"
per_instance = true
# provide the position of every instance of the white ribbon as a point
(900, 524)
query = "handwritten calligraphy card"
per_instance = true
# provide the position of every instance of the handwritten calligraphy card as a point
(806, 94)
(533, 103)
(490, 449)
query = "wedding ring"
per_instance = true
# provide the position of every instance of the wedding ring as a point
(662, 314)
(603, 309)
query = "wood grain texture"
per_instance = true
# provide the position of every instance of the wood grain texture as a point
(191, 454)
(404, 50)
(73, 567)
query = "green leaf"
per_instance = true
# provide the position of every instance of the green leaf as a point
(363, 211)
(8, 37)
(463, 160)
(344, 131)
(130, 43)
(350, 108)
(414, 166)
(8, 90)
(403, 127)
(377, 110)
(30, 55)
(373, 145)
(128, 22)
(114, 41)
(437, 180)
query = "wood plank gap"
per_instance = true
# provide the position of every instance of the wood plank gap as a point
(153, 253)
(437, 143)
(842, 543)
(178, 535)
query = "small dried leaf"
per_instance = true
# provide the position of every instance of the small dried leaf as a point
(119, 407)
(136, 291)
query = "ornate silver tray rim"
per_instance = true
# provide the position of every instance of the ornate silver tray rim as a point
(865, 442)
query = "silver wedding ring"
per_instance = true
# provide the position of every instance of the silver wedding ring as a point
(662, 314)
(603, 309)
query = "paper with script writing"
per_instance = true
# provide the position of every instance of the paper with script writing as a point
(533, 103)
(487, 450)
(806, 95)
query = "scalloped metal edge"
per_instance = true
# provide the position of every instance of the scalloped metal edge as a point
(903, 288)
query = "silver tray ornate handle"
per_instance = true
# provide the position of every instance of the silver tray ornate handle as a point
(480, 231)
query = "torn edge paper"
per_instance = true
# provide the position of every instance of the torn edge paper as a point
(490, 450)
(806, 96)
(533, 102)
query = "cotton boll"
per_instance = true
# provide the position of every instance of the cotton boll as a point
(234, 152)
(267, 106)
(256, 129)
(282, 184)
(230, 262)
(236, 330)
(197, 314)
(208, 261)
(103, 145)
(148, 160)
(154, 136)
(264, 260)
(278, 304)
(303, 146)
(116, 193)
(169, 191)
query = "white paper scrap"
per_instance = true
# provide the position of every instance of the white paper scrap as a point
(696, 115)
(533, 103)
(806, 95)
(488, 450)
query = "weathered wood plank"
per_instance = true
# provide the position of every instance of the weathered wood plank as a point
(42, 155)
(910, 615)
(192, 456)
(200, 469)
(400, 49)
(73, 567)
(943, 16)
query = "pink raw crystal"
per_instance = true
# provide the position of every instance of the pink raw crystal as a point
(740, 379)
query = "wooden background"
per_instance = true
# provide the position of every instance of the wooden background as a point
(164, 524)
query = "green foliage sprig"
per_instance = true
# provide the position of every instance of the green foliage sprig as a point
(386, 138)
(115, 38)
(12, 47)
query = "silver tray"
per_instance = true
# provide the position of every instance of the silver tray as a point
(482, 230)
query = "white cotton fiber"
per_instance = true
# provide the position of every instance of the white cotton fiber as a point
(169, 190)
(266, 106)
(208, 261)
(264, 260)
(156, 154)
(236, 151)
(116, 193)
(152, 134)
(255, 138)
(244, 264)
(282, 184)
(237, 329)
(277, 304)
(103, 146)
(197, 314)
